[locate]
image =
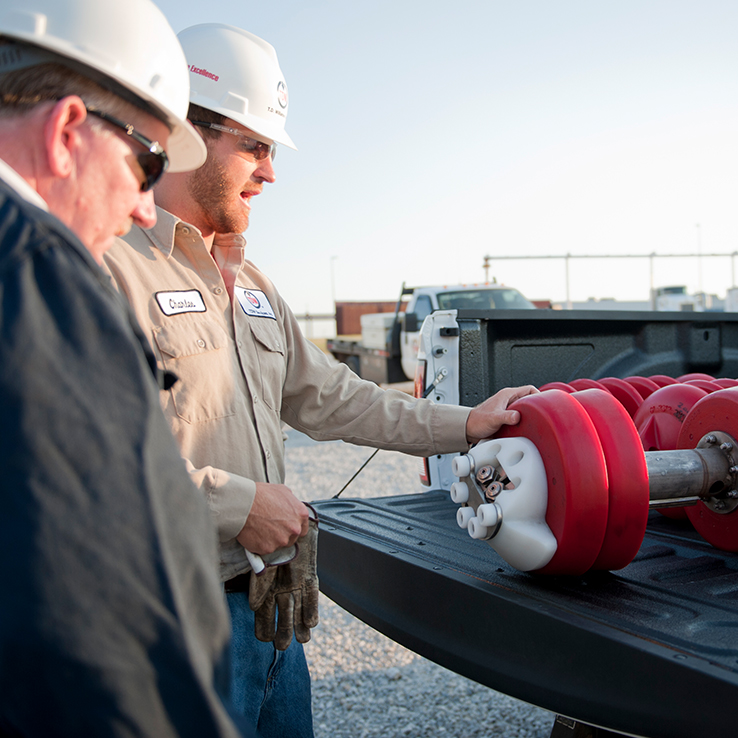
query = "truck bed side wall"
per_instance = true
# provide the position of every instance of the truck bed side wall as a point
(546, 346)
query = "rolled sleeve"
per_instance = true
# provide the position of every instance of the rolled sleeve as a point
(229, 498)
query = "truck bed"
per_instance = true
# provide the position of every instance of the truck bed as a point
(651, 650)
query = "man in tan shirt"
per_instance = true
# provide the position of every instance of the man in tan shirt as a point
(244, 367)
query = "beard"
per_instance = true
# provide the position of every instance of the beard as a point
(218, 198)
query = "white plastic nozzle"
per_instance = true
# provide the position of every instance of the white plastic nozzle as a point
(459, 493)
(461, 466)
(477, 530)
(463, 516)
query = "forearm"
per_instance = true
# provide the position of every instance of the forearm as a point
(331, 403)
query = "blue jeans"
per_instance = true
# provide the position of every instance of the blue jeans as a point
(270, 688)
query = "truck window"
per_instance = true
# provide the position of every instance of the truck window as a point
(500, 299)
(423, 308)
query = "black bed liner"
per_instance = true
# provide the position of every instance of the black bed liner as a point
(651, 650)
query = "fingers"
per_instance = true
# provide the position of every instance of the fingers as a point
(486, 419)
(276, 520)
(264, 621)
(310, 609)
(305, 526)
(302, 629)
(286, 604)
(260, 586)
(523, 391)
(509, 417)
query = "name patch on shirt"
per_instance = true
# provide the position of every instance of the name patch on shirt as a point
(254, 302)
(182, 301)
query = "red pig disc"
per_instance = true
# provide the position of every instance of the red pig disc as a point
(659, 421)
(627, 477)
(576, 476)
(717, 411)
(557, 385)
(627, 395)
(583, 384)
(643, 385)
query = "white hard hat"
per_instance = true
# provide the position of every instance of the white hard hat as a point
(236, 74)
(130, 43)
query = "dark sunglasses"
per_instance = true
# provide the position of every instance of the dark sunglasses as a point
(259, 149)
(153, 163)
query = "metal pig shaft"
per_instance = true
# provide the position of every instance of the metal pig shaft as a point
(683, 477)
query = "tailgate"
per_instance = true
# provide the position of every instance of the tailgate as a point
(651, 650)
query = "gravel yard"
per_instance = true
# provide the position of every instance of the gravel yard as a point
(364, 684)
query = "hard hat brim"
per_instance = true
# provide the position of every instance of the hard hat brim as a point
(185, 148)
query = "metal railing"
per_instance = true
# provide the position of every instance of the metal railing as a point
(307, 322)
(567, 258)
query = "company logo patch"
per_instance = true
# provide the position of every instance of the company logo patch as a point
(254, 302)
(181, 301)
(282, 94)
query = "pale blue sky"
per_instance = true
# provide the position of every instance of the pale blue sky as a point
(433, 133)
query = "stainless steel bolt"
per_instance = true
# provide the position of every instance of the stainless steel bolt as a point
(493, 490)
(485, 473)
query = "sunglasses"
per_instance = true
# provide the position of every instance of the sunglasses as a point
(259, 149)
(153, 163)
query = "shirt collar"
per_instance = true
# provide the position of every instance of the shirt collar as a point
(163, 233)
(16, 182)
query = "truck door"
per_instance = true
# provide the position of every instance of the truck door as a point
(410, 339)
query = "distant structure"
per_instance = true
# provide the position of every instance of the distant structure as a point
(604, 303)
(672, 298)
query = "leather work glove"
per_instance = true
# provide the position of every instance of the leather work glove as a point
(288, 593)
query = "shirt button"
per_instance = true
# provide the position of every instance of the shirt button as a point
(240, 343)
(200, 343)
(218, 290)
(268, 454)
(256, 399)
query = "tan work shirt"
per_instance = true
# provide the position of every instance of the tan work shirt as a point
(244, 367)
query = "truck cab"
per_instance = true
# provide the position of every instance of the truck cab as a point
(426, 300)
(386, 350)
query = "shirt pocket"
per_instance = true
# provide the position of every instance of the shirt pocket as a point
(198, 353)
(272, 357)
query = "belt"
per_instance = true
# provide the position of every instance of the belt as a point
(239, 583)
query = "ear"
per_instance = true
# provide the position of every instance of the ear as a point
(61, 134)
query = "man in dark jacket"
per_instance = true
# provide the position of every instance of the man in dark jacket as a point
(112, 621)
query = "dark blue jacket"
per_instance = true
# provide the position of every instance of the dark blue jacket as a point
(112, 621)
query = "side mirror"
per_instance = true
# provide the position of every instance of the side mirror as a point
(410, 323)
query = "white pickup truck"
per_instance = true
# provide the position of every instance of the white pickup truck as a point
(388, 348)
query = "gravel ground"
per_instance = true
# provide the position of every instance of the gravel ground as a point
(364, 684)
